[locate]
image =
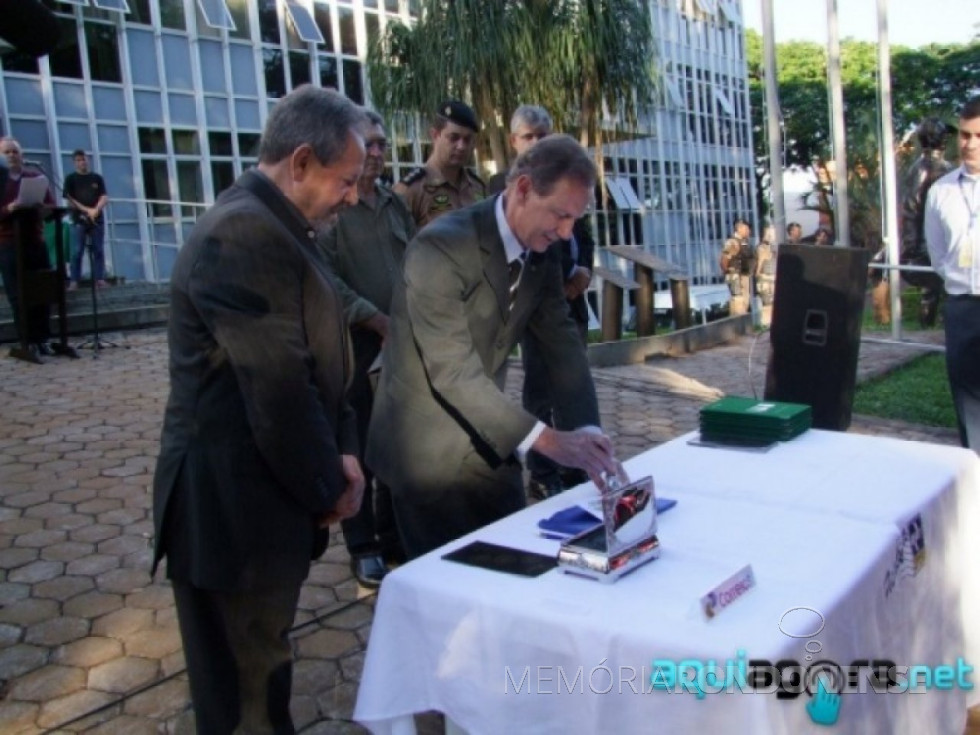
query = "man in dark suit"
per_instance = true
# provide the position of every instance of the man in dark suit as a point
(259, 450)
(443, 435)
(528, 125)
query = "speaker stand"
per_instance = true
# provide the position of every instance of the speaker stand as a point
(95, 342)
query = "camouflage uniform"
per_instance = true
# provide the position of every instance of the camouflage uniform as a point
(428, 195)
(765, 279)
(738, 274)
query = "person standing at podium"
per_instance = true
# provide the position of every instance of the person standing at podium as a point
(37, 331)
(86, 194)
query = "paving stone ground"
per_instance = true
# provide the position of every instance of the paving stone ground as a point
(89, 642)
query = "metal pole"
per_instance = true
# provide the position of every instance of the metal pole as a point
(889, 180)
(774, 116)
(842, 224)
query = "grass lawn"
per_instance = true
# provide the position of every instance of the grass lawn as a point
(917, 392)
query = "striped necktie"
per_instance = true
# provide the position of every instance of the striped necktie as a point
(516, 267)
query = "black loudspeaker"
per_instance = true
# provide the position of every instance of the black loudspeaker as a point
(816, 330)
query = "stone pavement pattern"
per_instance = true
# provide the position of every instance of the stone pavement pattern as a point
(89, 643)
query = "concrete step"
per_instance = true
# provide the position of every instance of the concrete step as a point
(122, 305)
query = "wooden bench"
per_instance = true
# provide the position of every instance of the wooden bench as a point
(644, 266)
(614, 285)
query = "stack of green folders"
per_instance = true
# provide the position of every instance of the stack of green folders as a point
(750, 422)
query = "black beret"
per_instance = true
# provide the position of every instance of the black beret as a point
(459, 113)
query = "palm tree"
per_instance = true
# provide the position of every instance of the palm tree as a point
(589, 62)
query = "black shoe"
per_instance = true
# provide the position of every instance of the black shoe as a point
(543, 489)
(368, 569)
(43, 348)
(393, 554)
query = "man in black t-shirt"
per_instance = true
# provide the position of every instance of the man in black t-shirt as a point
(86, 195)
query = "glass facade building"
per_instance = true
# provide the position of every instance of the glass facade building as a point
(170, 97)
(678, 186)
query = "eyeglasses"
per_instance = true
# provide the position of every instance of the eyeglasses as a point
(379, 144)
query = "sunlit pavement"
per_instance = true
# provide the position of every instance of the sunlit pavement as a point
(89, 643)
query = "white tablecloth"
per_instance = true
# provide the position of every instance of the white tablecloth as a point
(820, 519)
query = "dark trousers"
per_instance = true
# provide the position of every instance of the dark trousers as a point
(38, 315)
(962, 317)
(92, 236)
(483, 494)
(239, 660)
(372, 529)
(538, 401)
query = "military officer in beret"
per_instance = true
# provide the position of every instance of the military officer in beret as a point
(444, 183)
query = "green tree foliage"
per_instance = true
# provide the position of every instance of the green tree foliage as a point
(589, 62)
(928, 82)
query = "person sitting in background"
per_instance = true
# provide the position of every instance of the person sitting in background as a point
(823, 235)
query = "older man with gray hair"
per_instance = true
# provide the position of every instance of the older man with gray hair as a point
(259, 447)
(528, 125)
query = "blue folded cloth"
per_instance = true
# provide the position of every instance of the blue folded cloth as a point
(568, 522)
(575, 520)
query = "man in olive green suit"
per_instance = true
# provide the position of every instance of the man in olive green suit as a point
(443, 434)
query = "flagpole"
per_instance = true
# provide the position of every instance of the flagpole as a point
(774, 117)
(835, 90)
(889, 178)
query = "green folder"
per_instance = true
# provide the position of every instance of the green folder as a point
(748, 420)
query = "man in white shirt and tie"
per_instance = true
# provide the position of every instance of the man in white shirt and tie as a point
(952, 232)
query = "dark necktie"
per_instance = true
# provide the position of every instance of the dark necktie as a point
(515, 268)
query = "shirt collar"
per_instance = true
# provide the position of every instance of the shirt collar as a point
(512, 246)
(299, 224)
(964, 174)
(382, 194)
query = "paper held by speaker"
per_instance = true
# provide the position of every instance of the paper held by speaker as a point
(32, 191)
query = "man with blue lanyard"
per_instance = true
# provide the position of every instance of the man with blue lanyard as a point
(952, 232)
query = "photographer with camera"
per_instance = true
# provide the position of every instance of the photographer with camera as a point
(86, 194)
(737, 264)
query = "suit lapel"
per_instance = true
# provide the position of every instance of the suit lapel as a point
(492, 252)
